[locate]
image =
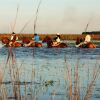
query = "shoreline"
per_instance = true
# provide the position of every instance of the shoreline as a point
(42, 36)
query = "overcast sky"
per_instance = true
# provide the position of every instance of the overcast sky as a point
(63, 16)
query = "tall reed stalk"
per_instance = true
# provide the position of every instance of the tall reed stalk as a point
(89, 91)
(15, 18)
(37, 11)
(74, 92)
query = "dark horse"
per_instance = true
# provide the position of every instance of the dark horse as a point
(6, 42)
(49, 42)
(30, 43)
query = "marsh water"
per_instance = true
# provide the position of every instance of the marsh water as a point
(47, 70)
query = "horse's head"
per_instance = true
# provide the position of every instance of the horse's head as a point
(48, 40)
(26, 40)
(77, 41)
(5, 40)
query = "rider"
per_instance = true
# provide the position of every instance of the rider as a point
(35, 40)
(36, 37)
(86, 41)
(13, 39)
(57, 40)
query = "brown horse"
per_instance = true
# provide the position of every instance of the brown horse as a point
(6, 41)
(31, 43)
(49, 42)
(80, 43)
(88, 45)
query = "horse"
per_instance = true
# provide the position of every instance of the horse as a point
(81, 44)
(87, 45)
(6, 42)
(49, 42)
(30, 43)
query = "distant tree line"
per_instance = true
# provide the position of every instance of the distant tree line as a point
(93, 32)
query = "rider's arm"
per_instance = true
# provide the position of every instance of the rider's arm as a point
(11, 37)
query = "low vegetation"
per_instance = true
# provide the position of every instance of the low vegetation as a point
(63, 36)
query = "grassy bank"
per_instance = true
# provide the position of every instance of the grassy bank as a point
(63, 36)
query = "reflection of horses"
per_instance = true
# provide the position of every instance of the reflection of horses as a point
(49, 42)
(6, 41)
(30, 43)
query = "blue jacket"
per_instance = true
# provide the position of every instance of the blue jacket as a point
(36, 38)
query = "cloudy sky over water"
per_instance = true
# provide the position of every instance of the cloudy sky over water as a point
(63, 16)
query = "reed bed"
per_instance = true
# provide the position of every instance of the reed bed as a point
(73, 86)
(33, 87)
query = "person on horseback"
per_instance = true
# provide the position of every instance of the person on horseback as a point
(85, 42)
(56, 40)
(36, 37)
(13, 39)
(87, 39)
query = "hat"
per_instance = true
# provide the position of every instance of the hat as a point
(13, 32)
(58, 33)
(35, 33)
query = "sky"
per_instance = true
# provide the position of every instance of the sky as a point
(63, 16)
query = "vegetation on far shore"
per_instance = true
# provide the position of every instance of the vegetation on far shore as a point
(63, 36)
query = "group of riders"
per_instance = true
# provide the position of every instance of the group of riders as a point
(14, 38)
(56, 40)
(36, 39)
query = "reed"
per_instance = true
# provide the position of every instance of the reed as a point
(15, 18)
(53, 95)
(69, 75)
(76, 82)
(1, 76)
(89, 91)
(36, 17)
(2, 87)
(74, 85)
